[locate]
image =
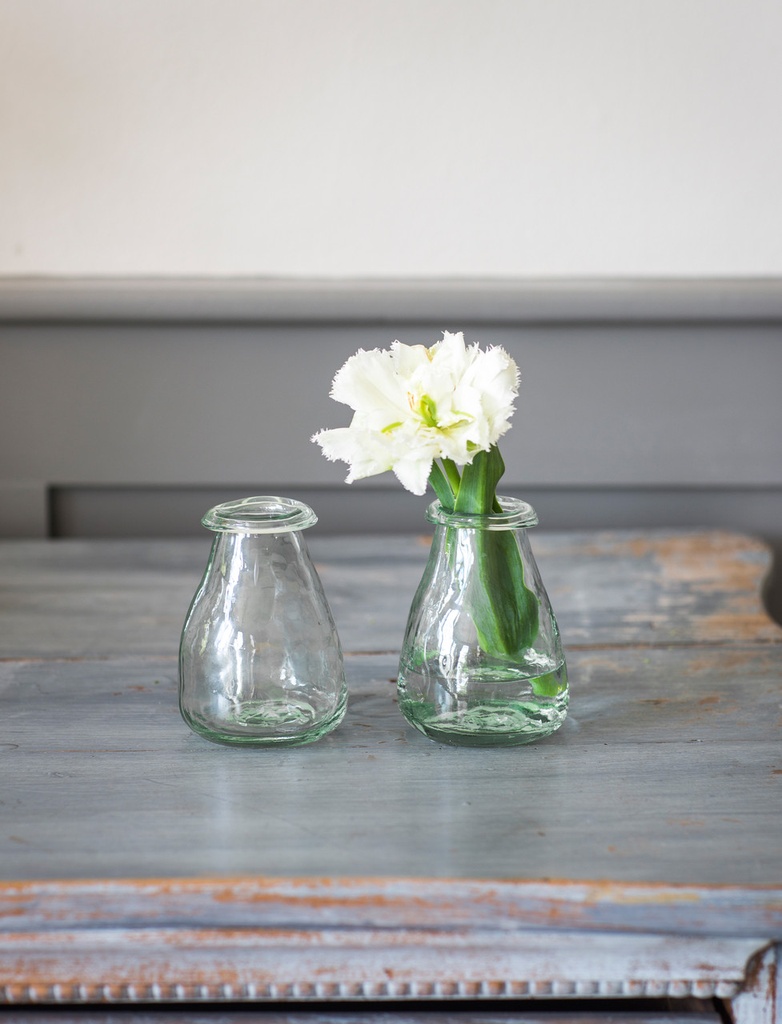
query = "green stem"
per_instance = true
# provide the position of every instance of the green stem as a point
(505, 611)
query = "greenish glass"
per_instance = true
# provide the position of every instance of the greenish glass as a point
(482, 663)
(260, 662)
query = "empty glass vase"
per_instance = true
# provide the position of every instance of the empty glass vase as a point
(260, 663)
(482, 661)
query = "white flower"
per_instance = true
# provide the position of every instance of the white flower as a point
(414, 404)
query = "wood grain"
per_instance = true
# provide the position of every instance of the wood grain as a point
(667, 769)
(73, 598)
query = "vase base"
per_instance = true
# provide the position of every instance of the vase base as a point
(489, 723)
(268, 724)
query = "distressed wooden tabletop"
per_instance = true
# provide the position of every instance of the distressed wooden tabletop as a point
(656, 807)
(84, 598)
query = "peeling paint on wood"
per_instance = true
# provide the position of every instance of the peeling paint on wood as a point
(72, 598)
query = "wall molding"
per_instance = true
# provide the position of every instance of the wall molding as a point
(300, 301)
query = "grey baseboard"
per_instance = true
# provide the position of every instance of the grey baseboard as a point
(133, 511)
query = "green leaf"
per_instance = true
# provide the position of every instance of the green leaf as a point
(506, 612)
(550, 685)
(441, 487)
(478, 490)
(454, 479)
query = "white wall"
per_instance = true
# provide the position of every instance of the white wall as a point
(391, 137)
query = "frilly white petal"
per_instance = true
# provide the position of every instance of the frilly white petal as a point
(367, 382)
(345, 445)
(413, 471)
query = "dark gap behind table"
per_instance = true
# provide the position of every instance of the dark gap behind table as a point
(606, 1011)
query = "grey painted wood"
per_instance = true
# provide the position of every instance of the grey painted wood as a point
(108, 512)
(394, 300)
(633, 854)
(760, 999)
(628, 596)
(75, 598)
(656, 777)
(256, 966)
(583, 908)
(332, 964)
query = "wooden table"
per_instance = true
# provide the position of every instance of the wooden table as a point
(635, 854)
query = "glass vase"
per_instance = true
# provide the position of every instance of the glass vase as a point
(260, 663)
(482, 662)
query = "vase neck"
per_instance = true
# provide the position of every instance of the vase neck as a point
(515, 515)
(266, 514)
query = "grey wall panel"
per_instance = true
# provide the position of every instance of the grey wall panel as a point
(194, 404)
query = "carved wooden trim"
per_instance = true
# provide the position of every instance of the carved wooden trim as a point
(343, 943)
(307, 991)
(759, 1000)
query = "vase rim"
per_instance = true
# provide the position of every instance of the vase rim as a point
(516, 515)
(265, 513)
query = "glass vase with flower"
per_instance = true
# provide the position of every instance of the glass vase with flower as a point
(481, 661)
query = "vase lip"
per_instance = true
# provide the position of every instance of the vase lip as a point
(265, 513)
(516, 515)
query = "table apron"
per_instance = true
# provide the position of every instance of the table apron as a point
(171, 965)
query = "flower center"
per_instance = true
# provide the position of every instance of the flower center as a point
(425, 408)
